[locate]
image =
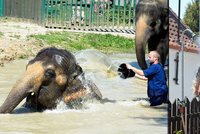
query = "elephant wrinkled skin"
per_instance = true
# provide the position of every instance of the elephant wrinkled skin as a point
(152, 20)
(53, 75)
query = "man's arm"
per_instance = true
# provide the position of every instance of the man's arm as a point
(141, 77)
(137, 71)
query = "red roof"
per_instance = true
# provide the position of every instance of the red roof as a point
(189, 46)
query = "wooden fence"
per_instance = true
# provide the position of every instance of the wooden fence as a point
(24, 9)
(184, 117)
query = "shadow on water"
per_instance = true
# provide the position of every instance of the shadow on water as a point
(159, 120)
(139, 99)
(23, 110)
(106, 100)
(162, 121)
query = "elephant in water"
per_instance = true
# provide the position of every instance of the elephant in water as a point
(52, 76)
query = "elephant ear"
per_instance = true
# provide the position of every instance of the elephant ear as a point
(165, 18)
(78, 71)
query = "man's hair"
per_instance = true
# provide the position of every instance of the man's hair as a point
(156, 54)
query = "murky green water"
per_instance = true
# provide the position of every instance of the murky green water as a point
(121, 115)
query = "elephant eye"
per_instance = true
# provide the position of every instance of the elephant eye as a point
(50, 73)
(153, 23)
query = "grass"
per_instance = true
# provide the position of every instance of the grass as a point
(1, 34)
(73, 41)
(23, 56)
(16, 36)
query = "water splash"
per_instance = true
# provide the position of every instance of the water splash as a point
(142, 102)
(63, 108)
(96, 61)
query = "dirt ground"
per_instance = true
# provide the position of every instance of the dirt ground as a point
(14, 41)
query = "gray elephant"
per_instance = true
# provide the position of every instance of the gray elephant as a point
(152, 20)
(52, 76)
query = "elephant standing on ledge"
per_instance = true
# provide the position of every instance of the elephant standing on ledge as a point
(53, 75)
(152, 20)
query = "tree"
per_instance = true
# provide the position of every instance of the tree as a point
(191, 16)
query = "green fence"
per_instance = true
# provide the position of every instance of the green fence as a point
(90, 14)
(106, 15)
(1, 8)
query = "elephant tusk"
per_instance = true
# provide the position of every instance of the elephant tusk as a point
(32, 93)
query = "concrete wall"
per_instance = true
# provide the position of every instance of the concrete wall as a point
(191, 65)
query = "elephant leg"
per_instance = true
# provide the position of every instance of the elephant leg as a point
(161, 46)
(163, 50)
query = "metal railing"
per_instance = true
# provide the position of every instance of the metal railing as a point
(1, 7)
(103, 15)
(100, 15)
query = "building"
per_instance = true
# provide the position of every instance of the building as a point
(191, 56)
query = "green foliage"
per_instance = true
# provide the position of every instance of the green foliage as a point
(78, 41)
(179, 132)
(191, 16)
(103, 42)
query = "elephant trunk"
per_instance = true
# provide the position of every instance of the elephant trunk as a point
(140, 53)
(13, 99)
(23, 87)
(141, 40)
(17, 94)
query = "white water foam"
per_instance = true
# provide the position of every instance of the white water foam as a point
(62, 108)
(144, 103)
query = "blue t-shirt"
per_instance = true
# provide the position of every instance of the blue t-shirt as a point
(156, 80)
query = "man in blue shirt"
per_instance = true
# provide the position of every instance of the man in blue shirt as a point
(157, 87)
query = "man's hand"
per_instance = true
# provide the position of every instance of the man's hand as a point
(137, 71)
(128, 66)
